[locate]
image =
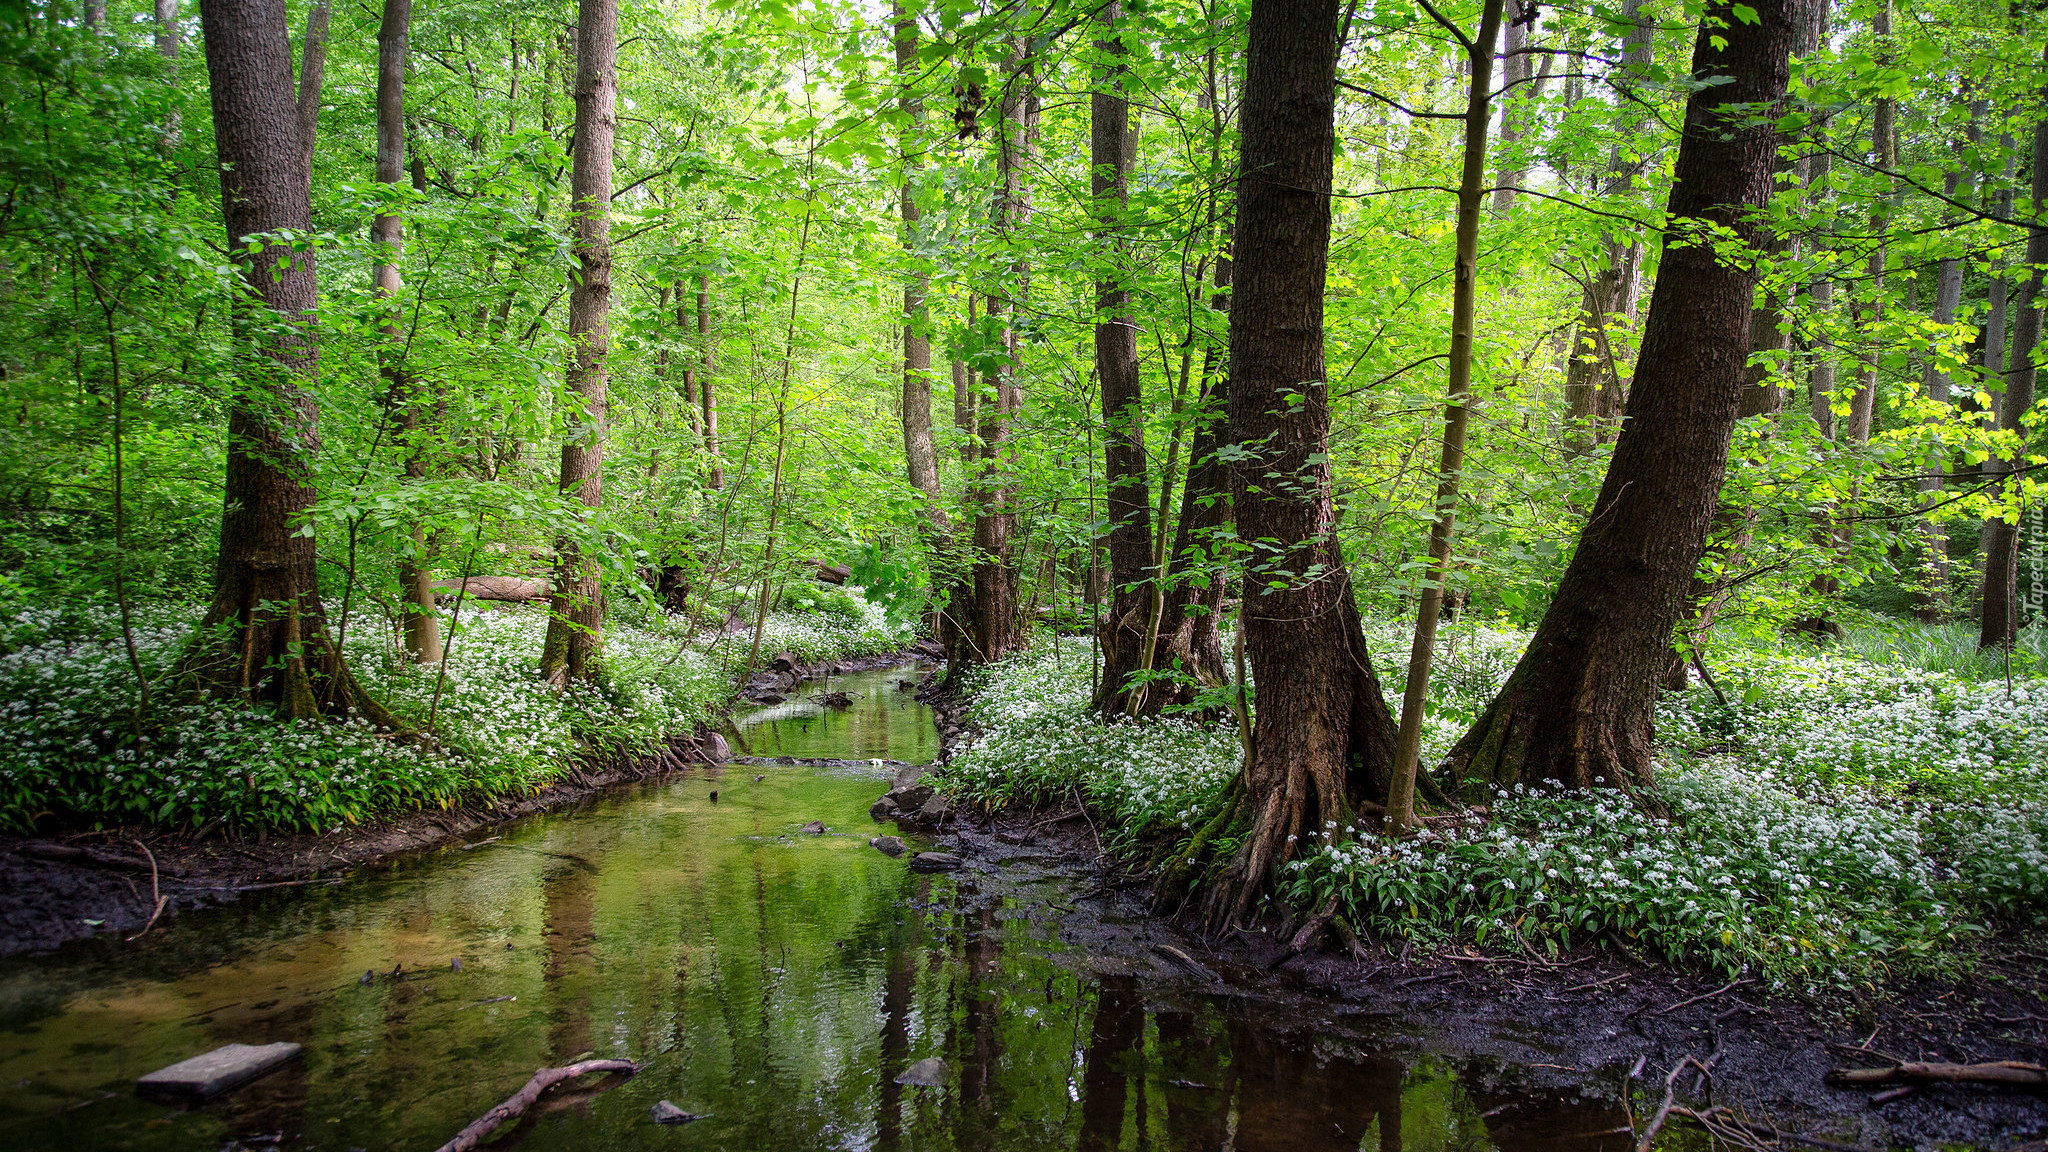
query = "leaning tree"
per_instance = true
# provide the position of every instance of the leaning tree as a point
(264, 637)
(1578, 706)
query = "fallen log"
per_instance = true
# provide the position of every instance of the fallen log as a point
(508, 589)
(2013, 1073)
(523, 1099)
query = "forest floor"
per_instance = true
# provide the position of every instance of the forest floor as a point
(63, 886)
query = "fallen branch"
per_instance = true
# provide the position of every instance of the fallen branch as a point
(1670, 1104)
(2009, 1072)
(523, 1099)
(1702, 996)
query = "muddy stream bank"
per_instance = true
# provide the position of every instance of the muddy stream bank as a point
(779, 982)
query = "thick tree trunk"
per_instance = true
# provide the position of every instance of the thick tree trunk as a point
(1997, 608)
(1324, 741)
(421, 618)
(264, 636)
(1124, 629)
(1578, 706)
(576, 611)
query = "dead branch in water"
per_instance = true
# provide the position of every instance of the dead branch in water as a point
(523, 1099)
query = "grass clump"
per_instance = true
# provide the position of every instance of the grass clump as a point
(81, 753)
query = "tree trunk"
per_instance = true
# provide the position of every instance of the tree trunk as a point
(1324, 740)
(920, 447)
(1578, 706)
(1465, 289)
(707, 391)
(920, 451)
(264, 636)
(964, 421)
(1127, 499)
(1194, 602)
(312, 69)
(1884, 148)
(992, 629)
(576, 611)
(421, 618)
(1593, 379)
(1931, 605)
(1998, 610)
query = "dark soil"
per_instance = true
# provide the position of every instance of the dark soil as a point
(47, 902)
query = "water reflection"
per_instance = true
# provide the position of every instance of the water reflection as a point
(885, 720)
(776, 981)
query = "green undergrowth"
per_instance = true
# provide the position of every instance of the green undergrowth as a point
(68, 716)
(1844, 817)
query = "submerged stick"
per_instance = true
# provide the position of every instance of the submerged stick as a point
(523, 1099)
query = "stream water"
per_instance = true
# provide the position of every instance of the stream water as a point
(775, 982)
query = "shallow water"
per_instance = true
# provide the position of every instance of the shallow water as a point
(775, 981)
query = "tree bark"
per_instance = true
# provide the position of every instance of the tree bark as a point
(1194, 601)
(1123, 631)
(1997, 600)
(920, 447)
(576, 611)
(264, 637)
(1324, 740)
(1578, 706)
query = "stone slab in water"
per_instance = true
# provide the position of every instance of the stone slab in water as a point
(936, 862)
(217, 1071)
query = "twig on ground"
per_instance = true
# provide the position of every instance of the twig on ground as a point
(1702, 996)
(523, 1099)
(1664, 1110)
(2015, 1073)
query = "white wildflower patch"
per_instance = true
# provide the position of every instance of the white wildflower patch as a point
(1836, 821)
(67, 714)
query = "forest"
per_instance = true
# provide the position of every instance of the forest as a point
(1452, 474)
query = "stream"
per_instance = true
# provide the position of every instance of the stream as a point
(776, 983)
